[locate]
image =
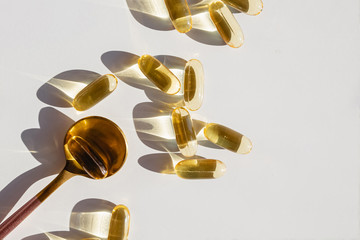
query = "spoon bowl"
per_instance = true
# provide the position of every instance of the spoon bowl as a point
(107, 144)
(95, 147)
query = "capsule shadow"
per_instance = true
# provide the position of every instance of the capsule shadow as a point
(90, 218)
(204, 30)
(201, 139)
(153, 126)
(163, 162)
(124, 66)
(60, 90)
(151, 13)
(46, 146)
(158, 162)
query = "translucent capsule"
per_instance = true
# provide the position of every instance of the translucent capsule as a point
(227, 138)
(120, 223)
(193, 84)
(250, 7)
(200, 168)
(180, 15)
(226, 24)
(159, 75)
(95, 92)
(184, 132)
(91, 158)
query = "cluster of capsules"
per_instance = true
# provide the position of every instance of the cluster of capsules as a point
(222, 17)
(186, 139)
(182, 123)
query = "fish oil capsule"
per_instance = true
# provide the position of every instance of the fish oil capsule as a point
(89, 156)
(226, 24)
(120, 223)
(180, 15)
(159, 75)
(193, 84)
(227, 138)
(250, 7)
(200, 169)
(184, 131)
(95, 92)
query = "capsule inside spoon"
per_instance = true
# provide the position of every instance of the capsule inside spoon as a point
(95, 147)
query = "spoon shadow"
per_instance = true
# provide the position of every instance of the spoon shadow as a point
(153, 14)
(90, 218)
(60, 90)
(46, 146)
(124, 66)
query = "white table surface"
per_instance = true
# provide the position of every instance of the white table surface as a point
(292, 88)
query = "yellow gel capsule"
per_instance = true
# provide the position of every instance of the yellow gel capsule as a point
(200, 169)
(250, 7)
(180, 15)
(95, 92)
(227, 138)
(184, 132)
(91, 158)
(120, 223)
(159, 75)
(226, 24)
(193, 84)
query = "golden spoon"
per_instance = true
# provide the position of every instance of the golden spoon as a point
(95, 147)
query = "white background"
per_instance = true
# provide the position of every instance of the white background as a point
(292, 88)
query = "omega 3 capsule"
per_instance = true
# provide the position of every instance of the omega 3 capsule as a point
(184, 132)
(95, 92)
(159, 75)
(91, 158)
(200, 169)
(193, 84)
(180, 15)
(120, 223)
(227, 138)
(226, 24)
(250, 7)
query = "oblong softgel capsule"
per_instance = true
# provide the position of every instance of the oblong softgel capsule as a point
(95, 92)
(159, 75)
(89, 156)
(193, 84)
(180, 15)
(226, 24)
(120, 223)
(200, 169)
(227, 138)
(250, 7)
(184, 131)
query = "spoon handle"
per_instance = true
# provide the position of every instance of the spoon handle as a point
(16, 218)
